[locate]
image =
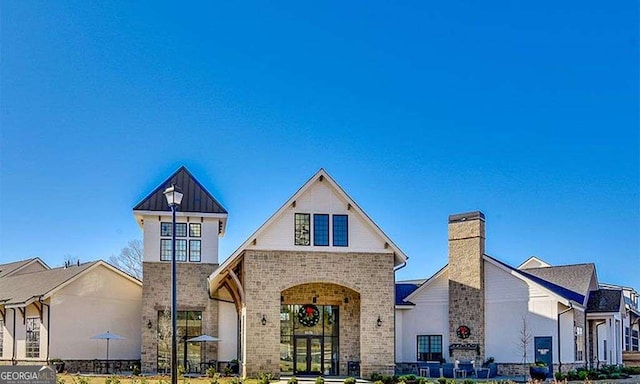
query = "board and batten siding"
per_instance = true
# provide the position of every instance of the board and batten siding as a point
(321, 198)
(430, 316)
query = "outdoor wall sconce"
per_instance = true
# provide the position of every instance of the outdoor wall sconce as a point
(346, 300)
(264, 320)
(315, 299)
(149, 324)
(379, 322)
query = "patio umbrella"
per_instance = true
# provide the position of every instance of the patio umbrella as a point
(204, 339)
(107, 336)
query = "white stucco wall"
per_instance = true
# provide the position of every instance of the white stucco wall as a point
(227, 331)
(430, 316)
(100, 300)
(209, 236)
(320, 198)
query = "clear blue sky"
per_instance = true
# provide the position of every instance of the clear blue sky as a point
(527, 111)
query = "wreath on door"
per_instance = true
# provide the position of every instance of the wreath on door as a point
(309, 315)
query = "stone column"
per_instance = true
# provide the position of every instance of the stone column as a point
(466, 285)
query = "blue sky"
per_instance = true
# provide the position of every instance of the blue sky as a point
(527, 111)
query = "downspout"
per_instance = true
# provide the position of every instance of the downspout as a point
(559, 340)
(395, 342)
(13, 352)
(586, 338)
(48, 325)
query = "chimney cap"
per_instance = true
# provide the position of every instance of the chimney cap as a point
(459, 217)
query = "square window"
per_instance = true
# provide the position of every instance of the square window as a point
(194, 250)
(321, 230)
(165, 250)
(181, 229)
(165, 229)
(195, 229)
(340, 230)
(181, 250)
(302, 229)
(429, 347)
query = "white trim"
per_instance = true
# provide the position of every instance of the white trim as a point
(534, 258)
(399, 256)
(427, 283)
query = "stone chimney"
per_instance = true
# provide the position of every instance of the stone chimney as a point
(466, 286)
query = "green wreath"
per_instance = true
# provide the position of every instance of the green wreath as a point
(309, 315)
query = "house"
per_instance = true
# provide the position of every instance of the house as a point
(309, 292)
(48, 313)
(478, 307)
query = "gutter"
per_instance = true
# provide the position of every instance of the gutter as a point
(559, 340)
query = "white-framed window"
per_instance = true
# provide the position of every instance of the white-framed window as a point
(579, 356)
(184, 245)
(33, 336)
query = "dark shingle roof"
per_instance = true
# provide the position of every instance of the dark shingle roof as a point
(555, 288)
(403, 290)
(604, 300)
(576, 277)
(20, 289)
(195, 199)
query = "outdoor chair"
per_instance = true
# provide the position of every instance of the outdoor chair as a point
(435, 370)
(448, 370)
(493, 370)
(466, 366)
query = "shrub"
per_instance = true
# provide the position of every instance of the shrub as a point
(560, 376)
(422, 380)
(378, 382)
(468, 381)
(375, 376)
(319, 380)
(210, 372)
(388, 379)
(406, 378)
(265, 378)
(227, 370)
(112, 380)
(237, 380)
(442, 380)
(181, 370)
(136, 370)
(292, 380)
(144, 380)
(59, 380)
(215, 378)
(350, 380)
(631, 370)
(582, 375)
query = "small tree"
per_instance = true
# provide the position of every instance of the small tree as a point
(524, 339)
(164, 336)
(130, 259)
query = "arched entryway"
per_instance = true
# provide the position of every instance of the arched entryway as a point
(319, 329)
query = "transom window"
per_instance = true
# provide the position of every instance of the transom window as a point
(184, 244)
(33, 336)
(322, 234)
(429, 347)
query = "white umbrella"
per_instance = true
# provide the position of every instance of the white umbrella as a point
(108, 336)
(204, 338)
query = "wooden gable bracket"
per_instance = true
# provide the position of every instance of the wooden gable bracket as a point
(348, 206)
(23, 312)
(39, 308)
(386, 245)
(3, 312)
(321, 178)
(293, 204)
(238, 285)
(254, 242)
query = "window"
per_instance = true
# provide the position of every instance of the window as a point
(33, 336)
(195, 229)
(194, 250)
(321, 230)
(627, 339)
(579, 344)
(429, 347)
(1, 335)
(302, 229)
(189, 325)
(340, 230)
(634, 340)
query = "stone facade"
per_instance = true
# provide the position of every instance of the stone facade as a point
(267, 274)
(466, 283)
(192, 296)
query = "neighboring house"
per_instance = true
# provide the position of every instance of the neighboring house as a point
(48, 313)
(565, 311)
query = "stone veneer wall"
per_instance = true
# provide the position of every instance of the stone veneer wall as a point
(466, 282)
(332, 294)
(268, 273)
(192, 295)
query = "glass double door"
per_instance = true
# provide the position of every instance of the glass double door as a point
(308, 355)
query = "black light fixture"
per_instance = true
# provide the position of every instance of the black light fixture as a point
(149, 324)
(264, 320)
(379, 322)
(346, 300)
(315, 299)
(174, 198)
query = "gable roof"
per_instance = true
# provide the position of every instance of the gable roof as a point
(561, 291)
(605, 300)
(575, 277)
(533, 262)
(14, 267)
(399, 257)
(21, 290)
(195, 197)
(404, 289)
